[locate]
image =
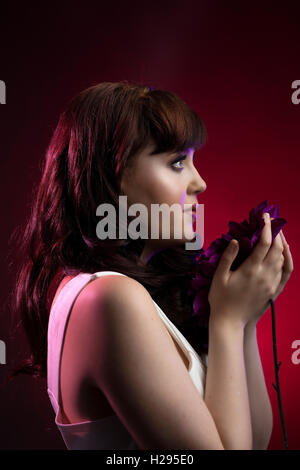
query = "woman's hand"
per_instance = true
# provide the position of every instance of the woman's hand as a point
(242, 296)
(286, 271)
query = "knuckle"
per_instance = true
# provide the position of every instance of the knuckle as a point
(271, 290)
(268, 287)
(265, 243)
(279, 261)
(278, 268)
(248, 271)
(276, 249)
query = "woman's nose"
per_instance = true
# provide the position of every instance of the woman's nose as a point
(197, 184)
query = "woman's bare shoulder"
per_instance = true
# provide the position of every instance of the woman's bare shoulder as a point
(109, 292)
(109, 285)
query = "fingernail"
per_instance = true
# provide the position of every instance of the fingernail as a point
(232, 244)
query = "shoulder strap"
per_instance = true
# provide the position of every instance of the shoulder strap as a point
(177, 335)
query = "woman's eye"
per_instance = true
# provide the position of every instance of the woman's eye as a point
(179, 160)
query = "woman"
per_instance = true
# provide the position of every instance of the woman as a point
(109, 321)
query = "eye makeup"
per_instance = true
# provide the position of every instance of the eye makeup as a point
(178, 160)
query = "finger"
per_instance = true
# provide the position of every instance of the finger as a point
(227, 259)
(274, 255)
(286, 272)
(263, 245)
(288, 265)
(285, 275)
(279, 236)
(280, 239)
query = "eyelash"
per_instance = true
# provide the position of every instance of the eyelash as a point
(177, 161)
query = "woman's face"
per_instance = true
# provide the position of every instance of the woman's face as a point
(157, 179)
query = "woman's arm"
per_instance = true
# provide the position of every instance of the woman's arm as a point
(226, 391)
(261, 410)
(260, 406)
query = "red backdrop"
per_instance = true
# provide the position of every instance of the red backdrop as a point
(234, 66)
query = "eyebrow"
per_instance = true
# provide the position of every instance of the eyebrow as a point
(186, 151)
(181, 153)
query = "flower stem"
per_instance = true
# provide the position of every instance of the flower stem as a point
(277, 365)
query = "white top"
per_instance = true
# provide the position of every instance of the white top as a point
(106, 433)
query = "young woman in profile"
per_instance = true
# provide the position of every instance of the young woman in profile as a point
(110, 322)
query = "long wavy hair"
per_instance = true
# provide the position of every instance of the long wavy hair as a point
(97, 136)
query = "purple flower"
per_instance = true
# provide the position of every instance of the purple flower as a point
(247, 234)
